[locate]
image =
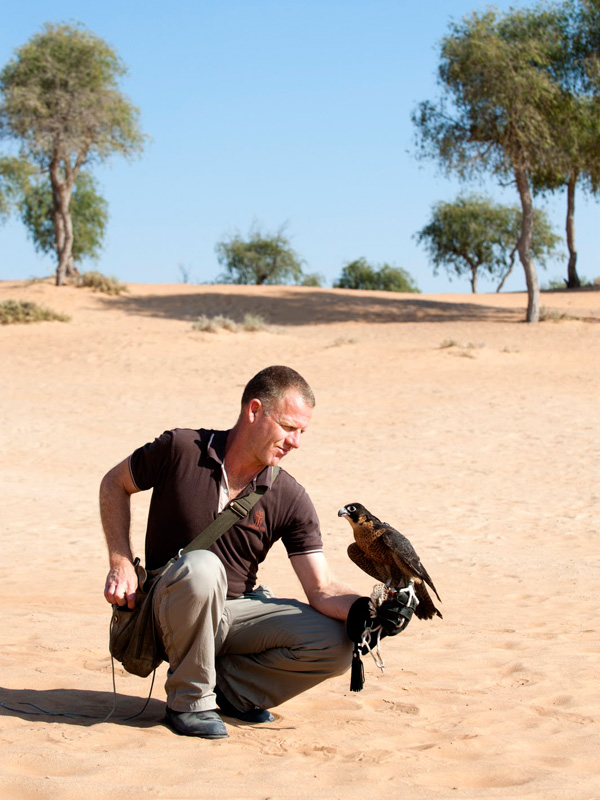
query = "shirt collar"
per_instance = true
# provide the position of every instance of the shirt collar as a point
(215, 449)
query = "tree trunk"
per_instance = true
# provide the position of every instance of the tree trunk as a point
(72, 270)
(62, 189)
(511, 264)
(474, 281)
(524, 246)
(573, 281)
(59, 235)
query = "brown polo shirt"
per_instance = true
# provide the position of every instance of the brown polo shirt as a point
(183, 468)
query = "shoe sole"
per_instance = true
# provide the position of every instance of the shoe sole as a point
(171, 727)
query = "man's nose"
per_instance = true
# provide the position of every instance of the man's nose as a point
(293, 438)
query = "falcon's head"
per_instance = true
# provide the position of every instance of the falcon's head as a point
(355, 512)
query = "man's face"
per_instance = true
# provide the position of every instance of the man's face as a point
(277, 430)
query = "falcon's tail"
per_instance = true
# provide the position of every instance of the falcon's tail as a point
(425, 609)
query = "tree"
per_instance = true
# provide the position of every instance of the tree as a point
(465, 236)
(474, 233)
(259, 259)
(60, 100)
(89, 214)
(359, 274)
(314, 279)
(495, 111)
(576, 156)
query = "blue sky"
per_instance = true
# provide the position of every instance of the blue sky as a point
(271, 112)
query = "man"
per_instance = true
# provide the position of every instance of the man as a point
(231, 644)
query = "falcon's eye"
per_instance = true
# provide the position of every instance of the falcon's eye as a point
(351, 509)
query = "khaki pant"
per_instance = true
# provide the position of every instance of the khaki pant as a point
(258, 649)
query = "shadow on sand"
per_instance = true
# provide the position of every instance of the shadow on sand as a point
(288, 307)
(79, 707)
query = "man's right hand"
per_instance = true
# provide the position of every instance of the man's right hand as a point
(121, 584)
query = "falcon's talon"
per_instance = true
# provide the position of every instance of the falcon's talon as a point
(412, 595)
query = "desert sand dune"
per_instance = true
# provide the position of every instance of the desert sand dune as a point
(470, 431)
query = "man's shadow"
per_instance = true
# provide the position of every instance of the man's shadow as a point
(81, 707)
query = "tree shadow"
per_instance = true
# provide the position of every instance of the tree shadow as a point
(80, 707)
(301, 306)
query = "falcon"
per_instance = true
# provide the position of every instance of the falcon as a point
(385, 554)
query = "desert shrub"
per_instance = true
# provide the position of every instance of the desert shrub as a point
(252, 322)
(15, 311)
(359, 274)
(555, 315)
(560, 283)
(101, 283)
(312, 279)
(343, 340)
(208, 324)
(261, 258)
(553, 284)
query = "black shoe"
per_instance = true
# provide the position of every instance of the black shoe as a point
(206, 724)
(255, 715)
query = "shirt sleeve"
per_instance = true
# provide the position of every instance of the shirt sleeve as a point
(303, 531)
(149, 464)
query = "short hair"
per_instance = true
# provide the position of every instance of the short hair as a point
(271, 384)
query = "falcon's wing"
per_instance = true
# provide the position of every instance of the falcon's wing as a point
(361, 560)
(405, 552)
(381, 572)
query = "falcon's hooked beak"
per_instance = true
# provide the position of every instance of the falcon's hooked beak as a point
(342, 512)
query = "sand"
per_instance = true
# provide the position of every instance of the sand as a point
(469, 430)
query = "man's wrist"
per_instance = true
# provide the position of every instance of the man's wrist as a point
(120, 560)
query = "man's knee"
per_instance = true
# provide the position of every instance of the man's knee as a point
(199, 574)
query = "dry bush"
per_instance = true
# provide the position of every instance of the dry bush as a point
(98, 282)
(554, 315)
(252, 322)
(24, 311)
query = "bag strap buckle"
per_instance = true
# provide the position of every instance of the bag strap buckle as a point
(240, 508)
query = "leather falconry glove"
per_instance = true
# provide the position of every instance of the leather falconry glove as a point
(368, 622)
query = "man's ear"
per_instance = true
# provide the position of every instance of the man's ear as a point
(254, 408)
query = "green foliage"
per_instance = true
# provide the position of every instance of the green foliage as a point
(497, 108)
(498, 95)
(473, 233)
(14, 177)
(359, 274)
(24, 311)
(312, 279)
(575, 160)
(59, 99)
(101, 283)
(259, 259)
(89, 212)
(560, 284)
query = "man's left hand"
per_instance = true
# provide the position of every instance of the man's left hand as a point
(393, 615)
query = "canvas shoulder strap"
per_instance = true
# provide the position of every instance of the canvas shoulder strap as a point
(237, 509)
